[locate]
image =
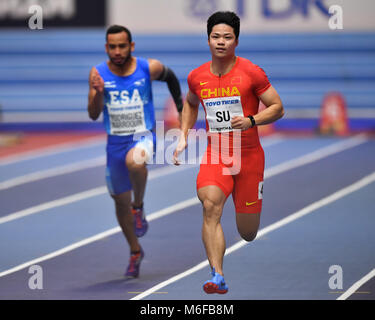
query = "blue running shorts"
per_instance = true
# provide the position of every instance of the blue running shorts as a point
(117, 173)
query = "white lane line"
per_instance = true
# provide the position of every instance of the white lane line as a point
(170, 169)
(310, 208)
(153, 174)
(357, 285)
(61, 170)
(153, 216)
(86, 164)
(53, 204)
(317, 155)
(271, 140)
(47, 151)
(48, 173)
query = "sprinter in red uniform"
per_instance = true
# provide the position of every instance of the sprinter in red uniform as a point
(229, 88)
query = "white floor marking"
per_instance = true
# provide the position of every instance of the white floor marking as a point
(184, 204)
(153, 216)
(357, 285)
(42, 152)
(86, 164)
(153, 174)
(310, 208)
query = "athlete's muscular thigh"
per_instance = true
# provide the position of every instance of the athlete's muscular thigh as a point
(213, 200)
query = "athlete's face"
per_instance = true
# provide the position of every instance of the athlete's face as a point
(119, 48)
(222, 41)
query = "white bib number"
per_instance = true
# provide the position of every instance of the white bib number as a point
(126, 120)
(220, 111)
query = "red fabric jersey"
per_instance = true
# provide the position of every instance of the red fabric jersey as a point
(235, 93)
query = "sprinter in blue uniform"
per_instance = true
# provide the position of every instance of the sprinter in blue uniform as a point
(121, 89)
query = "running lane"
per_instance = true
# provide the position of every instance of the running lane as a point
(174, 242)
(57, 186)
(88, 215)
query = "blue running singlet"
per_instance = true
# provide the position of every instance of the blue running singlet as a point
(128, 105)
(129, 120)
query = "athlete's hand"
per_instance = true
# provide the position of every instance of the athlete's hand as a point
(97, 82)
(242, 123)
(180, 147)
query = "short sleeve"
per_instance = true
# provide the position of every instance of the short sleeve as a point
(261, 82)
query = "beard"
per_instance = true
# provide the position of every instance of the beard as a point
(120, 62)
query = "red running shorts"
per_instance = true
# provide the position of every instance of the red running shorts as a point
(240, 174)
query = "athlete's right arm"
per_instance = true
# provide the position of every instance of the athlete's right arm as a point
(189, 117)
(96, 94)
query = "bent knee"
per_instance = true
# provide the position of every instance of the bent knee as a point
(135, 166)
(248, 236)
(210, 206)
(136, 159)
(122, 200)
(211, 209)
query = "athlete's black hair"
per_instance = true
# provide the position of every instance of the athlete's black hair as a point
(117, 29)
(227, 17)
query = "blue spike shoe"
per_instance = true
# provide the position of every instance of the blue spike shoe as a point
(216, 284)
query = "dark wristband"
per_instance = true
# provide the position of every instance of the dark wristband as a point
(252, 121)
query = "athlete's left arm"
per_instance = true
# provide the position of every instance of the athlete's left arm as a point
(274, 111)
(160, 72)
(274, 107)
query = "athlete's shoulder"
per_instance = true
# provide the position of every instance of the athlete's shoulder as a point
(248, 65)
(101, 66)
(205, 67)
(143, 63)
(197, 73)
(257, 75)
(142, 60)
(102, 69)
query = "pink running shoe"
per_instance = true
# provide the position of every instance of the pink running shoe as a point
(140, 222)
(134, 264)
